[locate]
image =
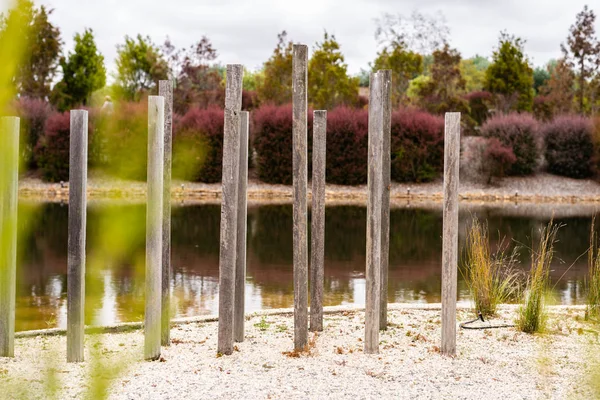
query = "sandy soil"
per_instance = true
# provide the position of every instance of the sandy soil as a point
(490, 364)
(539, 188)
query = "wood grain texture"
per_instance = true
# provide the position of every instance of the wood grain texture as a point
(9, 182)
(386, 76)
(317, 247)
(154, 212)
(229, 207)
(240, 263)
(450, 232)
(165, 89)
(78, 155)
(375, 195)
(300, 172)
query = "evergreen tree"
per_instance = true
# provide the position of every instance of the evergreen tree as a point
(276, 87)
(328, 82)
(83, 73)
(510, 77)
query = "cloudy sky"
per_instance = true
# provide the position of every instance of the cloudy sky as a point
(245, 31)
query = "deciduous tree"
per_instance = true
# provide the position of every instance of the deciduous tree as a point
(276, 87)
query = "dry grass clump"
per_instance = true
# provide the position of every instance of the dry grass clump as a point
(532, 314)
(593, 280)
(491, 278)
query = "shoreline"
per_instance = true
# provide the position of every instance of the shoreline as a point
(539, 189)
(496, 364)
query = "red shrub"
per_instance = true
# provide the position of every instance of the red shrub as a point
(347, 146)
(249, 100)
(272, 140)
(52, 150)
(520, 132)
(198, 145)
(417, 146)
(33, 114)
(570, 146)
(500, 158)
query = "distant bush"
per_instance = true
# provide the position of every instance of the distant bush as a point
(272, 140)
(479, 106)
(417, 146)
(123, 140)
(33, 114)
(499, 158)
(570, 146)
(198, 145)
(347, 146)
(520, 132)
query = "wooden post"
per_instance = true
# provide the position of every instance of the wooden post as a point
(154, 209)
(318, 221)
(450, 232)
(165, 90)
(385, 202)
(300, 172)
(229, 205)
(375, 196)
(240, 263)
(9, 181)
(78, 155)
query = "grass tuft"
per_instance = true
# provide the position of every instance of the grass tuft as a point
(532, 314)
(491, 278)
(593, 280)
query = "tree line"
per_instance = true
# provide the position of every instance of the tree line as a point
(428, 73)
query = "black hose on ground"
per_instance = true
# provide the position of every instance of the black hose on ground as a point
(465, 325)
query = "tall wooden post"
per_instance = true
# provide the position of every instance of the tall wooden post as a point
(154, 209)
(240, 263)
(165, 89)
(375, 196)
(386, 75)
(318, 221)
(300, 172)
(450, 232)
(78, 155)
(9, 181)
(229, 205)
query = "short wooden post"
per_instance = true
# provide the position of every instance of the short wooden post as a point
(78, 155)
(229, 205)
(300, 174)
(240, 263)
(450, 233)
(385, 202)
(375, 196)
(154, 209)
(318, 221)
(165, 89)
(9, 181)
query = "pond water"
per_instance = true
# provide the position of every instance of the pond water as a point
(115, 268)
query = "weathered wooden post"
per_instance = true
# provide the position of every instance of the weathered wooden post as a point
(385, 202)
(450, 233)
(240, 263)
(154, 210)
(318, 221)
(300, 174)
(9, 181)
(229, 205)
(78, 155)
(375, 196)
(165, 90)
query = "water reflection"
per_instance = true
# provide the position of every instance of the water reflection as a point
(115, 287)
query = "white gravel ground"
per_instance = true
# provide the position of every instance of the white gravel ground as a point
(490, 364)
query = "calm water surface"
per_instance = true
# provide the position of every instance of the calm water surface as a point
(115, 282)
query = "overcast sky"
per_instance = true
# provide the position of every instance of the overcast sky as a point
(245, 31)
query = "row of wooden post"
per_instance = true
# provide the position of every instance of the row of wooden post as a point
(232, 261)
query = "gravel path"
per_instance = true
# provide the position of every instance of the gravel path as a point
(539, 188)
(491, 364)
